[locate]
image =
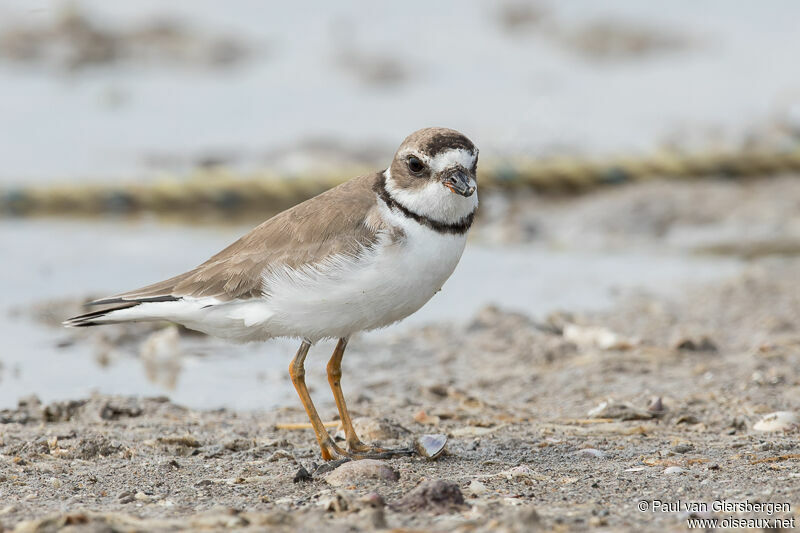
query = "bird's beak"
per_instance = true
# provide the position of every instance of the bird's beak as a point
(458, 182)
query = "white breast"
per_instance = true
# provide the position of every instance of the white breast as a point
(348, 295)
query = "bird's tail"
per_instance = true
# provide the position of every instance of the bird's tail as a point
(97, 318)
(122, 310)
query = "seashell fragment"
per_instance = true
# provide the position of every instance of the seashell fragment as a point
(430, 446)
(777, 421)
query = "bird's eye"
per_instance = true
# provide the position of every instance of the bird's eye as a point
(415, 165)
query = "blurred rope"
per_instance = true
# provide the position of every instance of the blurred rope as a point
(221, 192)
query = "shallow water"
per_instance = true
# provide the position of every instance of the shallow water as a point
(50, 260)
(513, 92)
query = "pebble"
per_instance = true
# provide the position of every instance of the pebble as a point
(591, 452)
(682, 448)
(701, 344)
(657, 406)
(373, 429)
(476, 488)
(278, 455)
(301, 475)
(597, 336)
(674, 470)
(369, 508)
(519, 471)
(424, 418)
(777, 421)
(336, 503)
(353, 472)
(434, 495)
(621, 411)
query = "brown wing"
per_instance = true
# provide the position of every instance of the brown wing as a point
(330, 223)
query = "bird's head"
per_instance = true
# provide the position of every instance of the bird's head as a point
(434, 174)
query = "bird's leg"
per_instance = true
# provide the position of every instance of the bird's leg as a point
(357, 449)
(298, 375)
(354, 444)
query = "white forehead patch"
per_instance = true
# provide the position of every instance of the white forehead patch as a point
(449, 158)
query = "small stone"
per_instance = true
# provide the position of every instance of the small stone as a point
(170, 465)
(682, 448)
(674, 470)
(354, 472)
(702, 344)
(597, 336)
(302, 475)
(518, 472)
(94, 446)
(777, 421)
(55, 483)
(591, 452)
(434, 495)
(687, 419)
(424, 418)
(338, 502)
(277, 455)
(621, 411)
(187, 441)
(476, 488)
(738, 423)
(657, 406)
(238, 444)
(378, 429)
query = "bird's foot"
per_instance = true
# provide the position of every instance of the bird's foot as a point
(359, 450)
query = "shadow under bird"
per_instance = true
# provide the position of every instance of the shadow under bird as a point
(357, 257)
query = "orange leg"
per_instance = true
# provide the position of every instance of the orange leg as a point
(355, 447)
(354, 444)
(298, 375)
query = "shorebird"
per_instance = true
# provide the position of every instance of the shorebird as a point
(360, 256)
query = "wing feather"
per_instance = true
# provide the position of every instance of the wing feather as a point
(308, 233)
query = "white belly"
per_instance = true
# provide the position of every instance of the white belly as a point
(387, 285)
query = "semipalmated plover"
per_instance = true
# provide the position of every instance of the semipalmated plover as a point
(357, 257)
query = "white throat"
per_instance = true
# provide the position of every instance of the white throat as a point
(433, 201)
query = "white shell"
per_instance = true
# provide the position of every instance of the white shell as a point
(777, 421)
(431, 446)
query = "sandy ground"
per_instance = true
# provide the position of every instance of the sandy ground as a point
(565, 422)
